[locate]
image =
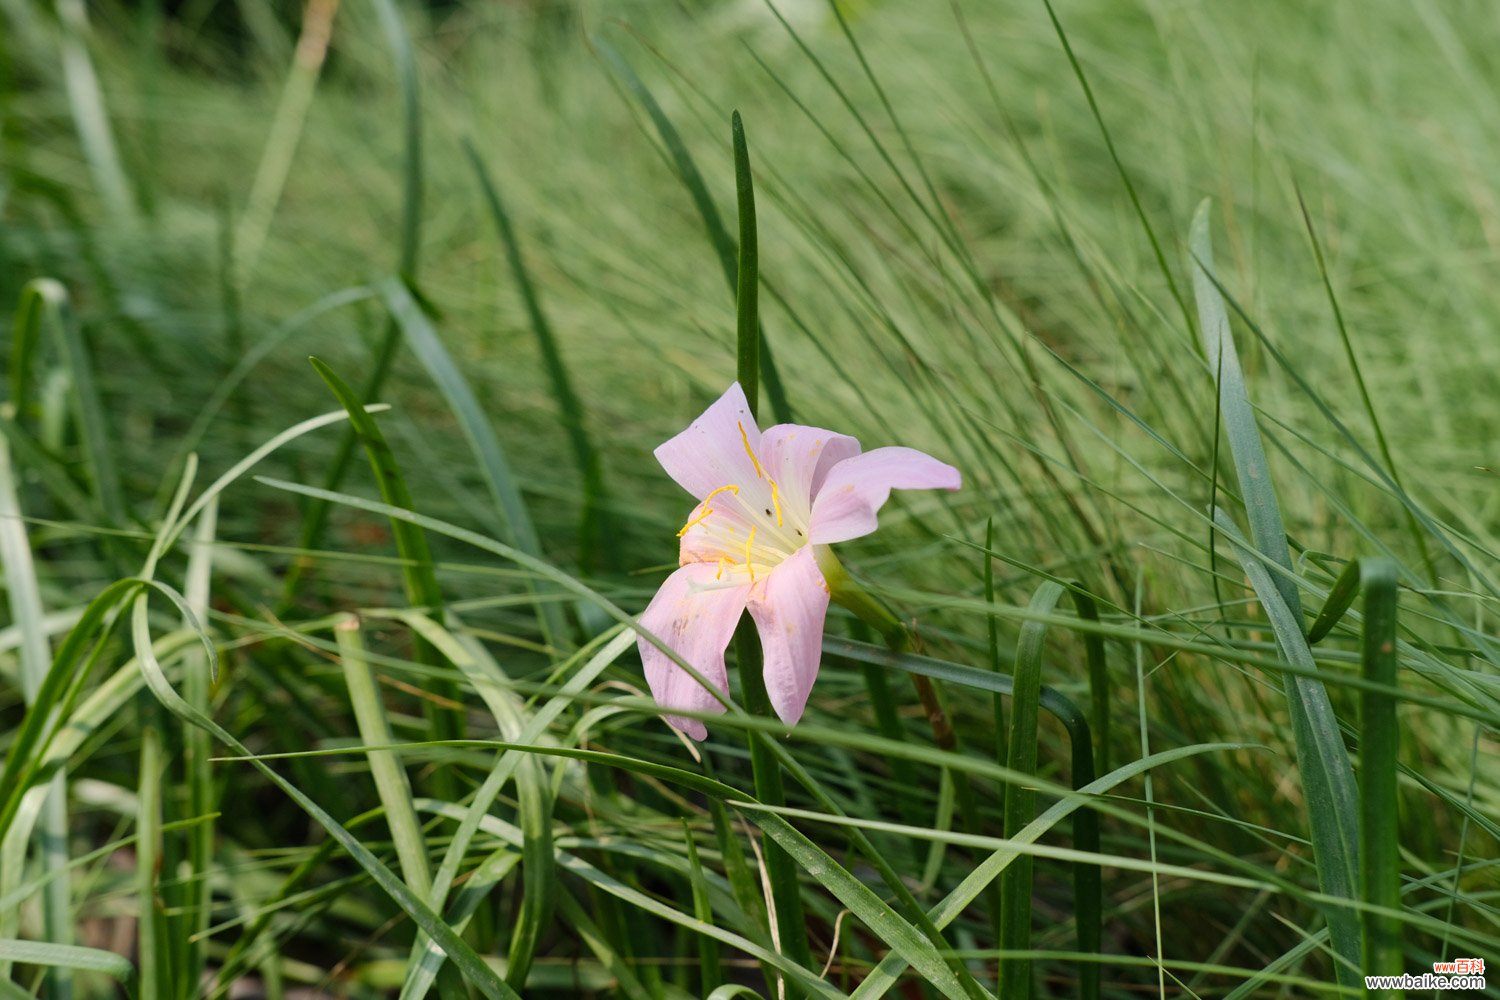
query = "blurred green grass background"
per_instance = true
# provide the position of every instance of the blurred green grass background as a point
(958, 253)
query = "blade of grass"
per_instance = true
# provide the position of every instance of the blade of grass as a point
(68, 956)
(424, 342)
(391, 782)
(420, 579)
(285, 133)
(403, 57)
(1322, 760)
(90, 117)
(781, 871)
(45, 304)
(196, 768)
(1364, 391)
(473, 967)
(533, 797)
(1345, 589)
(152, 937)
(598, 537)
(26, 611)
(1379, 740)
(687, 171)
(710, 972)
(1020, 803)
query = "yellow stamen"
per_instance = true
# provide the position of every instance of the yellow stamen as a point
(731, 488)
(748, 565)
(775, 500)
(695, 521)
(723, 561)
(745, 439)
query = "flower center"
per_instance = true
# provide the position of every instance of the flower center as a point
(743, 527)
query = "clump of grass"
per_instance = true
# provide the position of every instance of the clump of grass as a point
(277, 729)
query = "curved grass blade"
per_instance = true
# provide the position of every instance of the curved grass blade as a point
(1340, 597)
(68, 956)
(424, 342)
(599, 541)
(601, 654)
(888, 972)
(1322, 760)
(1379, 740)
(26, 611)
(421, 581)
(1020, 803)
(405, 61)
(1267, 531)
(45, 303)
(461, 953)
(533, 797)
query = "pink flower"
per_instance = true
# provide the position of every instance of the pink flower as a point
(766, 504)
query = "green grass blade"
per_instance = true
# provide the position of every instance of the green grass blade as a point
(747, 273)
(888, 925)
(474, 968)
(391, 782)
(152, 937)
(90, 116)
(1257, 491)
(1379, 741)
(45, 304)
(410, 239)
(26, 611)
(421, 582)
(1364, 390)
(1322, 760)
(710, 971)
(692, 179)
(601, 654)
(781, 871)
(1020, 803)
(598, 537)
(889, 970)
(1340, 597)
(196, 768)
(67, 956)
(424, 342)
(533, 797)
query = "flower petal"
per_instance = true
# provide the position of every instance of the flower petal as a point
(695, 618)
(856, 488)
(799, 458)
(789, 606)
(712, 453)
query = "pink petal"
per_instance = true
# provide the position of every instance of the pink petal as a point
(789, 606)
(856, 488)
(799, 458)
(711, 452)
(695, 617)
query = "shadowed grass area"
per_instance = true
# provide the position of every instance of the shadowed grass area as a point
(428, 761)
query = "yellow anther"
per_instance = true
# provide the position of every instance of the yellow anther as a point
(731, 488)
(748, 565)
(745, 439)
(723, 561)
(775, 500)
(697, 520)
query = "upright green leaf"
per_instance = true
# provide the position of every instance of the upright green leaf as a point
(1379, 740)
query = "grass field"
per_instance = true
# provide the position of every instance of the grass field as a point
(1197, 682)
